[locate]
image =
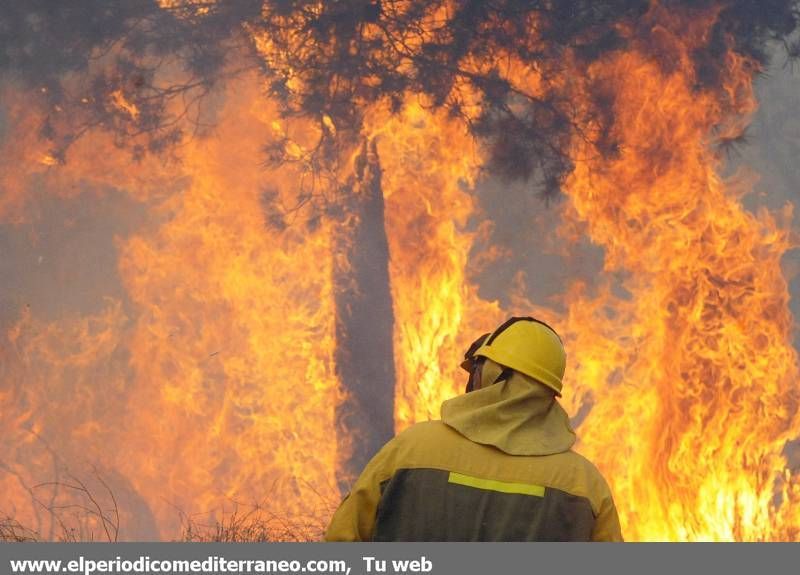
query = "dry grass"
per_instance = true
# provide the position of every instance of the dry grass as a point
(242, 525)
(79, 514)
(252, 524)
(75, 513)
(12, 532)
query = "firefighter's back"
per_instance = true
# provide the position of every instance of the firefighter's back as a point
(445, 487)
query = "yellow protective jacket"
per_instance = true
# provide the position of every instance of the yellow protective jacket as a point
(498, 467)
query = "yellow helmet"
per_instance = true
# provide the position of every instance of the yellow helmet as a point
(529, 346)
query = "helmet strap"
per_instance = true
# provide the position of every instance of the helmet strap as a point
(475, 374)
(504, 375)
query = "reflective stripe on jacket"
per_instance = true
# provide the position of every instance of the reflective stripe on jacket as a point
(430, 483)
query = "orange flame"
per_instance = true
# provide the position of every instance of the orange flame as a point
(213, 380)
(429, 169)
(219, 387)
(689, 380)
(691, 376)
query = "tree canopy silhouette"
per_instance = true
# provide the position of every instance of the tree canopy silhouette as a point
(329, 61)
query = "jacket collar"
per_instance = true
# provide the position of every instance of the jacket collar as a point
(518, 415)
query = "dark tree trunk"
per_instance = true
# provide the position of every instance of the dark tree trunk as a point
(364, 321)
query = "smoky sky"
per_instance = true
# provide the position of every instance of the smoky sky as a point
(772, 150)
(525, 226)
(63, 257)
(62, 261)
(67, 246)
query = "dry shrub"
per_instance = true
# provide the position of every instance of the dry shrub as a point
(250, 524)
(11, 531)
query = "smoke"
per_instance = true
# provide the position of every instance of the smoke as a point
(63, 260)
(524, 231)
(528, 252)
(767, 158)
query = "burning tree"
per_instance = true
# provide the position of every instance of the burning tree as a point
(372, 122)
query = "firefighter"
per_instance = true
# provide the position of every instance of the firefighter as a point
(497, 467)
